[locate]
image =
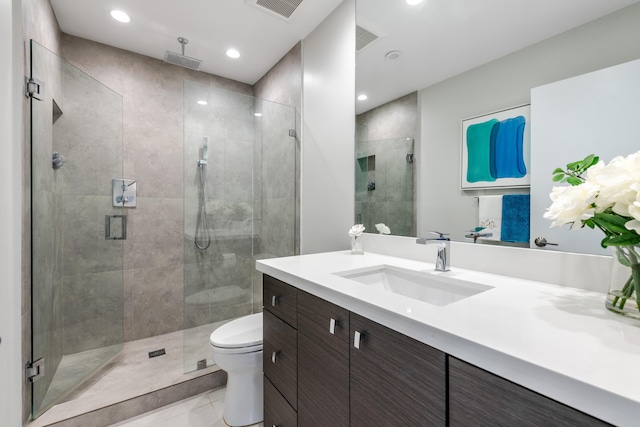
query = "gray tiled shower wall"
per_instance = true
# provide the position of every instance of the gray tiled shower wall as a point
(156, 153)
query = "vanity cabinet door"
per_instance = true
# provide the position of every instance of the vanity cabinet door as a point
(395, 380)
(323, 363)
(477, 397)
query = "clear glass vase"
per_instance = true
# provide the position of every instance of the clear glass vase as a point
(624, 288)
(357, 246)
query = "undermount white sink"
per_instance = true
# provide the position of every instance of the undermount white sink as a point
(434, 288)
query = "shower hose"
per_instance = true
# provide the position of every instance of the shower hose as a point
(203, 236)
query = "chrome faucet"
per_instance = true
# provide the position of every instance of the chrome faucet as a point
(442, 259)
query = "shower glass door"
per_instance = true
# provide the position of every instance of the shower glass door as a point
(239, 206)
(77, 251)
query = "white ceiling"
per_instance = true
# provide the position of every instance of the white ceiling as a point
(442, 38)
(439, 38)
(211, 26)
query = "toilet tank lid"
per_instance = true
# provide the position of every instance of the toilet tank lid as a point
(242, 332)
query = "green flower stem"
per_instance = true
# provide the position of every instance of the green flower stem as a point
(632, 284)
(625, 290)
(635, 274)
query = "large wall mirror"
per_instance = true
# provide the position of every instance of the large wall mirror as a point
(425, 68)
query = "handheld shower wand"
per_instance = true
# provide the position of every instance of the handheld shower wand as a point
(203, 237)
(205, 151)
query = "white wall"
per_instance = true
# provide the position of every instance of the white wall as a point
(10, 177)
(503, 83)
(328, 112)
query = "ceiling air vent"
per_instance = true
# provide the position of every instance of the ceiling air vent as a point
(282, 8)
(363, 38)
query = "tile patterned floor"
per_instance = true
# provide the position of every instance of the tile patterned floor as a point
(204, 410)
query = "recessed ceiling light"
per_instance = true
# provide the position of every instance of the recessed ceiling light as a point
(257, 114)
(413, 2)
(362, 97)
(232, 53)
(202, 102)
(119, 15)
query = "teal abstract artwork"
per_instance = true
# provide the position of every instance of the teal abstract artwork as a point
(495, 149)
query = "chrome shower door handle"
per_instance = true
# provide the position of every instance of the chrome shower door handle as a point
(108, 229)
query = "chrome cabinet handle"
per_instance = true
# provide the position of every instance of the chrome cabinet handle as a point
(274, 300)
(356, 339)
(274, 356)
(332, 326)
(541, 242)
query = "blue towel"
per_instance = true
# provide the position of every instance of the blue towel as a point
(515, 218)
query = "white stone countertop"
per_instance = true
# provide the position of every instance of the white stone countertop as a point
(558, 341)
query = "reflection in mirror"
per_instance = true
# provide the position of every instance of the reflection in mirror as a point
(385, 166)
(384, 185)
(457, 68)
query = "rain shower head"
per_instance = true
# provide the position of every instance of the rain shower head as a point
(182, 60)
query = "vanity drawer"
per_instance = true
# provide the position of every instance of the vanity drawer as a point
(280, 299)
(280, 358)
(277, 411)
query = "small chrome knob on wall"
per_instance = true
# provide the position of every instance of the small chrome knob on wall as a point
(541, 242)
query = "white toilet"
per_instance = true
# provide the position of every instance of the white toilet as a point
(237, 349)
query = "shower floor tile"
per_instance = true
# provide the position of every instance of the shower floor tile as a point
(132, 373)
(204, 410)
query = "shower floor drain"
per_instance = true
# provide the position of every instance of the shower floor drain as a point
(156, 353)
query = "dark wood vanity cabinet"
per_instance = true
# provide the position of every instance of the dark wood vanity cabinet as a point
(326, 366)
(480, 398)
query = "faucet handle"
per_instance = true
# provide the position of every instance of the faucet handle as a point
(441, 236)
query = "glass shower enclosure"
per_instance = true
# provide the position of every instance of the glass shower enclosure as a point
(77, 231)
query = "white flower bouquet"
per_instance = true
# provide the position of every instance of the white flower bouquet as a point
(357, 247)
(356, 230)
(607, 197)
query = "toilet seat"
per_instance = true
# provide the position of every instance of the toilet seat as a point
(243, 335)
